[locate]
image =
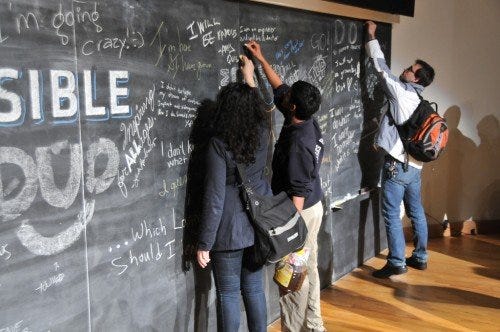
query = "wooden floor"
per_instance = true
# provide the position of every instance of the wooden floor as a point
(460, 291)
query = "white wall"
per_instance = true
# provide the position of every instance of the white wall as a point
(461, 40)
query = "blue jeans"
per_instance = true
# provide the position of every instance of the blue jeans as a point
(398, 186)
(234, 274)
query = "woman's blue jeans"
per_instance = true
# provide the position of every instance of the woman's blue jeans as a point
(397, 186)
(234, 274)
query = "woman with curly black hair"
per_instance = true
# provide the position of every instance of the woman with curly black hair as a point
(226, 234)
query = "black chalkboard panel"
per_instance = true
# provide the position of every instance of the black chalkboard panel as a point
(358, 102)
(359, 234)
(102, 111)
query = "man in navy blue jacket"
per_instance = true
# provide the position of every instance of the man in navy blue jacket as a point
(296, 161)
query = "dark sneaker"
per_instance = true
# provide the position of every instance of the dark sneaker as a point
(415, 263)
(389, 270)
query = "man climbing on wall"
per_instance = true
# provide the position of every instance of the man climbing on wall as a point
(400, 179)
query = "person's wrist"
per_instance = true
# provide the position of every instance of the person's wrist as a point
(249, 80)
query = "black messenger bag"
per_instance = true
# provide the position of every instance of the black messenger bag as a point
(279, 227)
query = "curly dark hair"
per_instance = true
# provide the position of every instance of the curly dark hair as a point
(240, 116)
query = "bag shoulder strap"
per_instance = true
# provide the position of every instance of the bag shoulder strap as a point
(243, 177)
(245, 189)
(241, 171)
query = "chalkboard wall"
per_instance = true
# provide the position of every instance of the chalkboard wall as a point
(101, 147)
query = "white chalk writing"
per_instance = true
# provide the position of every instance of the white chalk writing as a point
(4, 252)
(266, 33)
(16, 327)
(52, 281)
(151, 245)
(137, 142)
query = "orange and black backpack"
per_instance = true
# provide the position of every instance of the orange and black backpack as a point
(425, 133)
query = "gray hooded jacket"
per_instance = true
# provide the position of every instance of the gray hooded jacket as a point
(403, 100)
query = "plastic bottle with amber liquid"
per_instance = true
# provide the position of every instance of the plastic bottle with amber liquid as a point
(291, 271)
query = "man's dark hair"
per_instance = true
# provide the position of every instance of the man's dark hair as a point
(306, 97)
(425, 74)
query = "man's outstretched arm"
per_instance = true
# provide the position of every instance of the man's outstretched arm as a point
(271, 75)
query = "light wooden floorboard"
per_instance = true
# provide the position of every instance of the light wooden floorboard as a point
(460, 291)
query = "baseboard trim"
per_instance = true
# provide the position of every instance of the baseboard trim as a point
(457, 228)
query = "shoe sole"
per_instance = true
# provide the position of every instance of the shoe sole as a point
(418, 267)
(421, 268)
(392, 274)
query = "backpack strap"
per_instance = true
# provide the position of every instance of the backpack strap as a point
(418, 94)
(407, 155)
(422, 99)
(407, 161)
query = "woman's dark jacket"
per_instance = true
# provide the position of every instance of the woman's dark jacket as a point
(224, 223)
